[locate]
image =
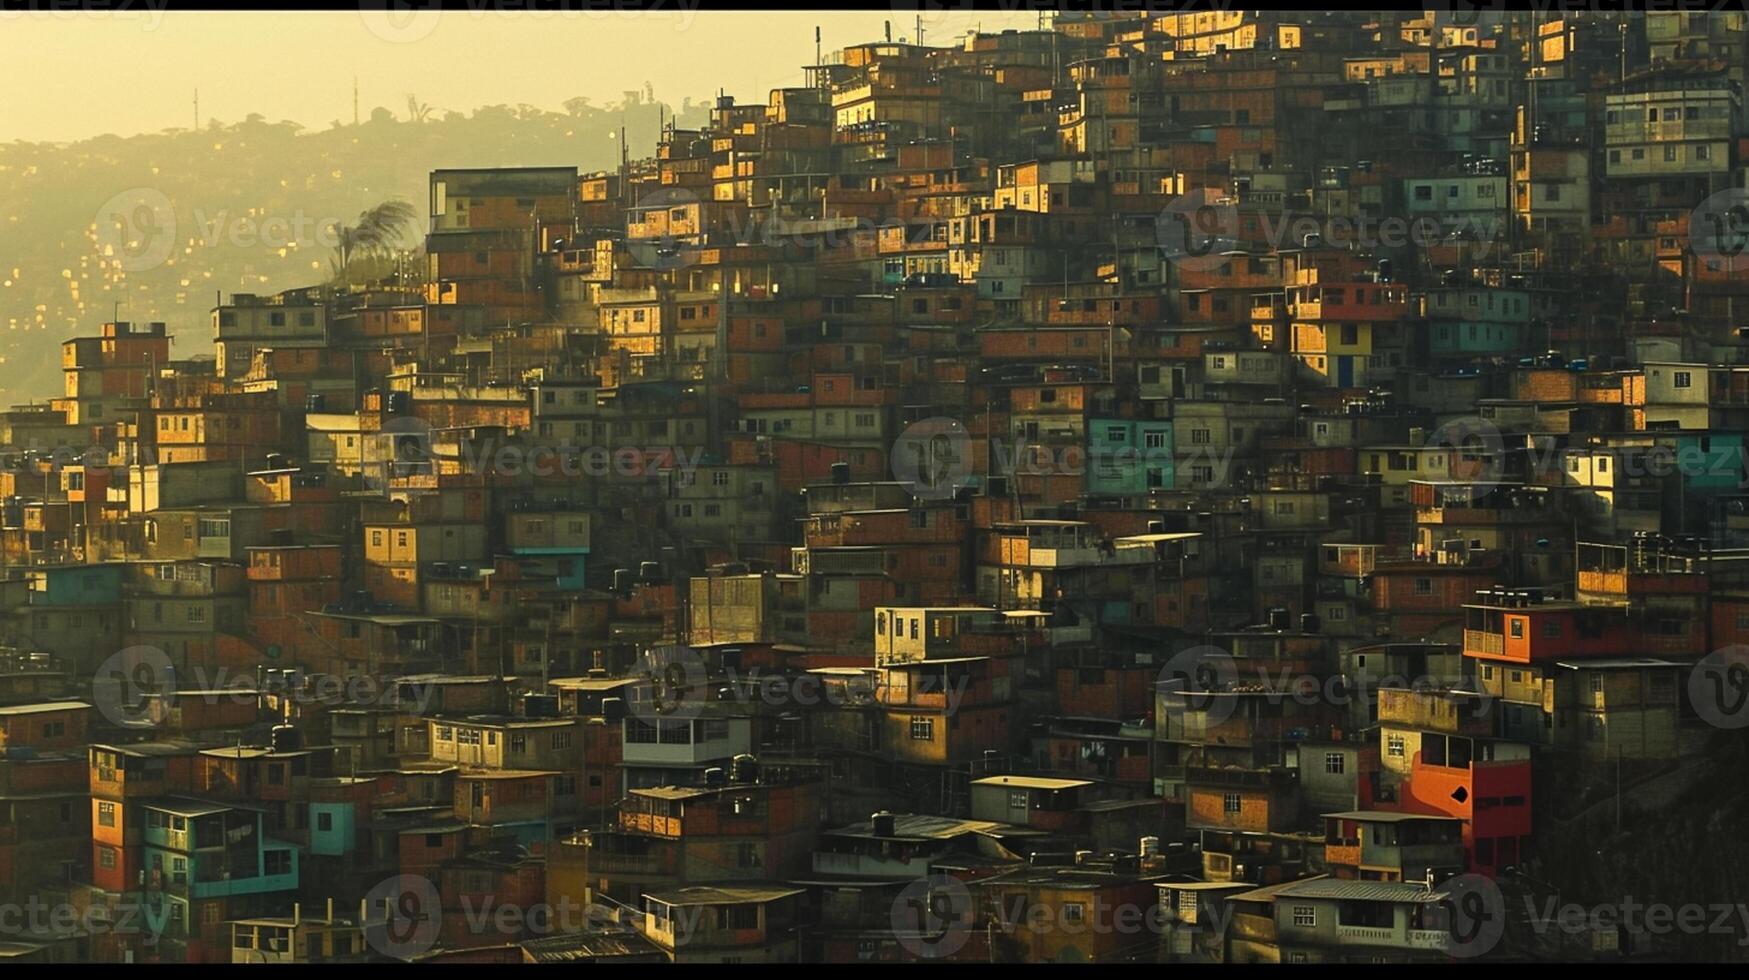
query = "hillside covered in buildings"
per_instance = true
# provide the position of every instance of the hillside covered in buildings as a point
(244, 207)
(1218, 487)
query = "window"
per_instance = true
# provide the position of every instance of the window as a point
(1517, 629)
(1073, 912)
(1305, 915)
(1333, 763)
(562, 740)
(1683, 379)
(324, 822)
(922, 729)
(1230, 803)
(106, 814)
(1423, 586)
(276, 862)
(1394, 746)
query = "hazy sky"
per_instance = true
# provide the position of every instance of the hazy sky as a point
(135, 69)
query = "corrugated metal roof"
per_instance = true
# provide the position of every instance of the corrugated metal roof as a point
(1361, 891)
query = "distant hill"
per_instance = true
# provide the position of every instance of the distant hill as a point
(188, 214)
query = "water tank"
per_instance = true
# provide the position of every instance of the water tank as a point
(715, 777)
(286, 738)
(540, 706)
(649, 571)
(840, 473)
(316, 403)
(275, 461)
(1081, 857)
(622, 581)
(1150, 847)
(1278, 618)
(613, 709)
(1309, 622)
(744, 769)
(884, 824)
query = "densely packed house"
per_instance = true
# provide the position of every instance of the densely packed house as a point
(1254, 470)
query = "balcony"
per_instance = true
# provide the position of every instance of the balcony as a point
(1367, 935)
(1426, 938)
(1481, 642)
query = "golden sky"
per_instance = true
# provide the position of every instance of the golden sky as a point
(75, 75)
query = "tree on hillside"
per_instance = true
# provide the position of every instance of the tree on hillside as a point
(374, 232)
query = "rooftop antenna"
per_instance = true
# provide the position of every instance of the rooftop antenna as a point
(919, 30)
(889, 32)
(355, 100)
(197, 110)
(816, 45)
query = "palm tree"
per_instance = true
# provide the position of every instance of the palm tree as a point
(372, 233)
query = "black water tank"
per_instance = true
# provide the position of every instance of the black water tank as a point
(316, 403)
(1278, 619)
(540, 706)
(622, 581)
(399, 402)
(744, 769)
(650, 571)
(884, 824)
(613, 709)
(286, 738)
(1309, 622)
(715, 777)
(840, 473)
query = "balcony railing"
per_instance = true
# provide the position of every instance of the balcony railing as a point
(1371, 935)
(1482, 642)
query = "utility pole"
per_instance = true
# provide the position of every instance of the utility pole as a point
(197, 110)
(355, 100)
